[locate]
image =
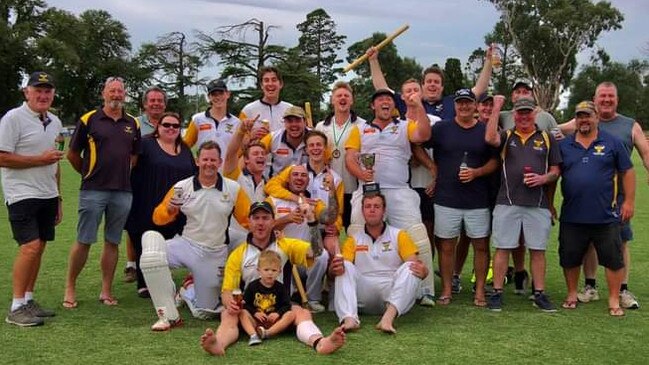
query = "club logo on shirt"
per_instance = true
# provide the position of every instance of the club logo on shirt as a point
(394, 129)
(386, 246)
(513, 143)
(128, 129)
(205, 127)
(265, 302)
(599, 150)
(362, 249)
(538, 144)
(228, 128)
(283, 210)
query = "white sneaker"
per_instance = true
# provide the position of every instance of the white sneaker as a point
(628, 300)
(316, 307)
(588, 294)
(427, 300)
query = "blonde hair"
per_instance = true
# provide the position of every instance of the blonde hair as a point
(269, 258)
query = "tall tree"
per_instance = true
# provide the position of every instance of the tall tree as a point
(175, 64)
(319, 45)
(20, 25)
(453, 76)
(548, 35)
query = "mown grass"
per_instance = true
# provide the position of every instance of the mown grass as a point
(457, 334)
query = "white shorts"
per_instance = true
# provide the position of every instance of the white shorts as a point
(508, 221)
(449, 221)
(402, 207)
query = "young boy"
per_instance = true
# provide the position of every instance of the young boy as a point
(267, 306)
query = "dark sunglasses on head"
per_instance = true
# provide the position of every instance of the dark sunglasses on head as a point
(170, 125)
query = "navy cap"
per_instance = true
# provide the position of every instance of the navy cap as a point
(216, 85)
(40, 78)
(464, 94)
(381, 92)
(486, 96)
(263, 205)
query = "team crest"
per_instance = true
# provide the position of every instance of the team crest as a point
(386, 246)
(394, 129)
(599, 150)
(228, 128)
(513, 143)
(538, 144)
(128, 129)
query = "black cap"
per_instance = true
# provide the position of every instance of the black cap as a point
(522, 82)
(381, 92)
(464, 94)
(216, 85)
(486, 96)
(264, 205)
(40, 78)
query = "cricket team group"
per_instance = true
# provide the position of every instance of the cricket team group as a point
(256, 215)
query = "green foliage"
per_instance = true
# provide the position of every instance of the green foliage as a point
(548, 34)
(300, 84)
(453, 76)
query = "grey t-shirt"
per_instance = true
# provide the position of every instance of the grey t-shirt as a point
(544, 120)
(22, 133)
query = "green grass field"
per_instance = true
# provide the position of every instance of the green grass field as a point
(459, 333)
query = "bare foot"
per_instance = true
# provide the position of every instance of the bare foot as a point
(332, 342)
(350, 324)
(386, 328)
(210, 345)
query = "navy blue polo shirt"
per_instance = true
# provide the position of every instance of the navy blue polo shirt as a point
(588, 179)
(444, 108)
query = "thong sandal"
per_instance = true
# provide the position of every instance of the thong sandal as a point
(444, 300)
(481, 303)
(109, 301)
(616, 312)
(569, 304)
(69, 304)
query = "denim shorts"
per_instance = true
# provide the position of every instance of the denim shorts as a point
(93, 205)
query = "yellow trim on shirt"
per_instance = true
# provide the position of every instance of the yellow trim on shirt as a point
(348, 249)
(354, 139)
(406, 246)
(160, 214)
(412, 127)
(191, 135)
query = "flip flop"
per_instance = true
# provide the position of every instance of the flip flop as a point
(69, 304)
(444, 300)
(481, 303)
(109, 301)
(569, 304)
(616, 312)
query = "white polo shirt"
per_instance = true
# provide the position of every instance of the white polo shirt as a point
(204, 128)
(271, 113)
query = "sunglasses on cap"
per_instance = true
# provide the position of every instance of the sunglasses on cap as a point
(170, 125)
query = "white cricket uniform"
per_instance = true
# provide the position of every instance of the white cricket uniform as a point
(268, 113)
(282, 154)
(203, 128)
(375, 273)
(256, 193)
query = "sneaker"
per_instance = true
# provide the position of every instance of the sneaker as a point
(628, 300)
(456, 285)
(316, 307)
(589, 294)
(495, 302)
(39, 311)
(428, 300)
(542, 302)
(23, 317)
(520, 282)
(130, 275)
(164, 324)
(254, 340)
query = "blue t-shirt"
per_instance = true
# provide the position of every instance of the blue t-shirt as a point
(444, 108)
(588, 179)
(449, 141)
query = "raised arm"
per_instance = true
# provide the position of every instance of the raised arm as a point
(482, 83)
(492, 137)
(378, 80)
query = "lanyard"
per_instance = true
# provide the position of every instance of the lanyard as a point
(336, 141)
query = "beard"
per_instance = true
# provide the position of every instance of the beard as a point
(115, 104)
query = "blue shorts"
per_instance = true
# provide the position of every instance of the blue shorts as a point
(93, 204)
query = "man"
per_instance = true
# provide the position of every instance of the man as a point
(207, 200)
(269, 108)
(433, 86)
(30, 184)
(530, 168)
(630, 133)
(292, 215)
(381, 273)
(155, 103)
(522, 88)
(337, 127)
(461, 194)
(592, 212)
(216, 123)
(110, 141)
(241, 267)
(389, 140)
(286, 145)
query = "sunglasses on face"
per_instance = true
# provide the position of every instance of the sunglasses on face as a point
(170, 125)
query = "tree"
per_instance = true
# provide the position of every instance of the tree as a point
(395, 68)
(318, 46)
(453, 76)
(241, 59)
(174, 64)
(547, 35)
(301, 85)
(20, 26)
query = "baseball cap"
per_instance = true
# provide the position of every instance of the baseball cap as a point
(464, 94)
(485, 96)
(263, 205)
(40, 78)
(294, 111)
(525, 104)
(524, 82)
(585, 107)
(216, 85)
(381, 92)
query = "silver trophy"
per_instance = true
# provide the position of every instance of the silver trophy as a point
(368, 160)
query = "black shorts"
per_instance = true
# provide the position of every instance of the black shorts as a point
(33, 219)
(425, 205)
(574, 240)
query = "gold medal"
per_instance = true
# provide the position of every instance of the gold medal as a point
(336, 153)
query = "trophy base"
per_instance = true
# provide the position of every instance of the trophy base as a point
(371, 189)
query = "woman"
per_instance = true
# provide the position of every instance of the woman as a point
(164, 160)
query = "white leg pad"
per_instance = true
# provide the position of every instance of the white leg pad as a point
(157, 275)
(419, 235)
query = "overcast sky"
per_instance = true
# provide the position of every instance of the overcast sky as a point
(438, 29)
